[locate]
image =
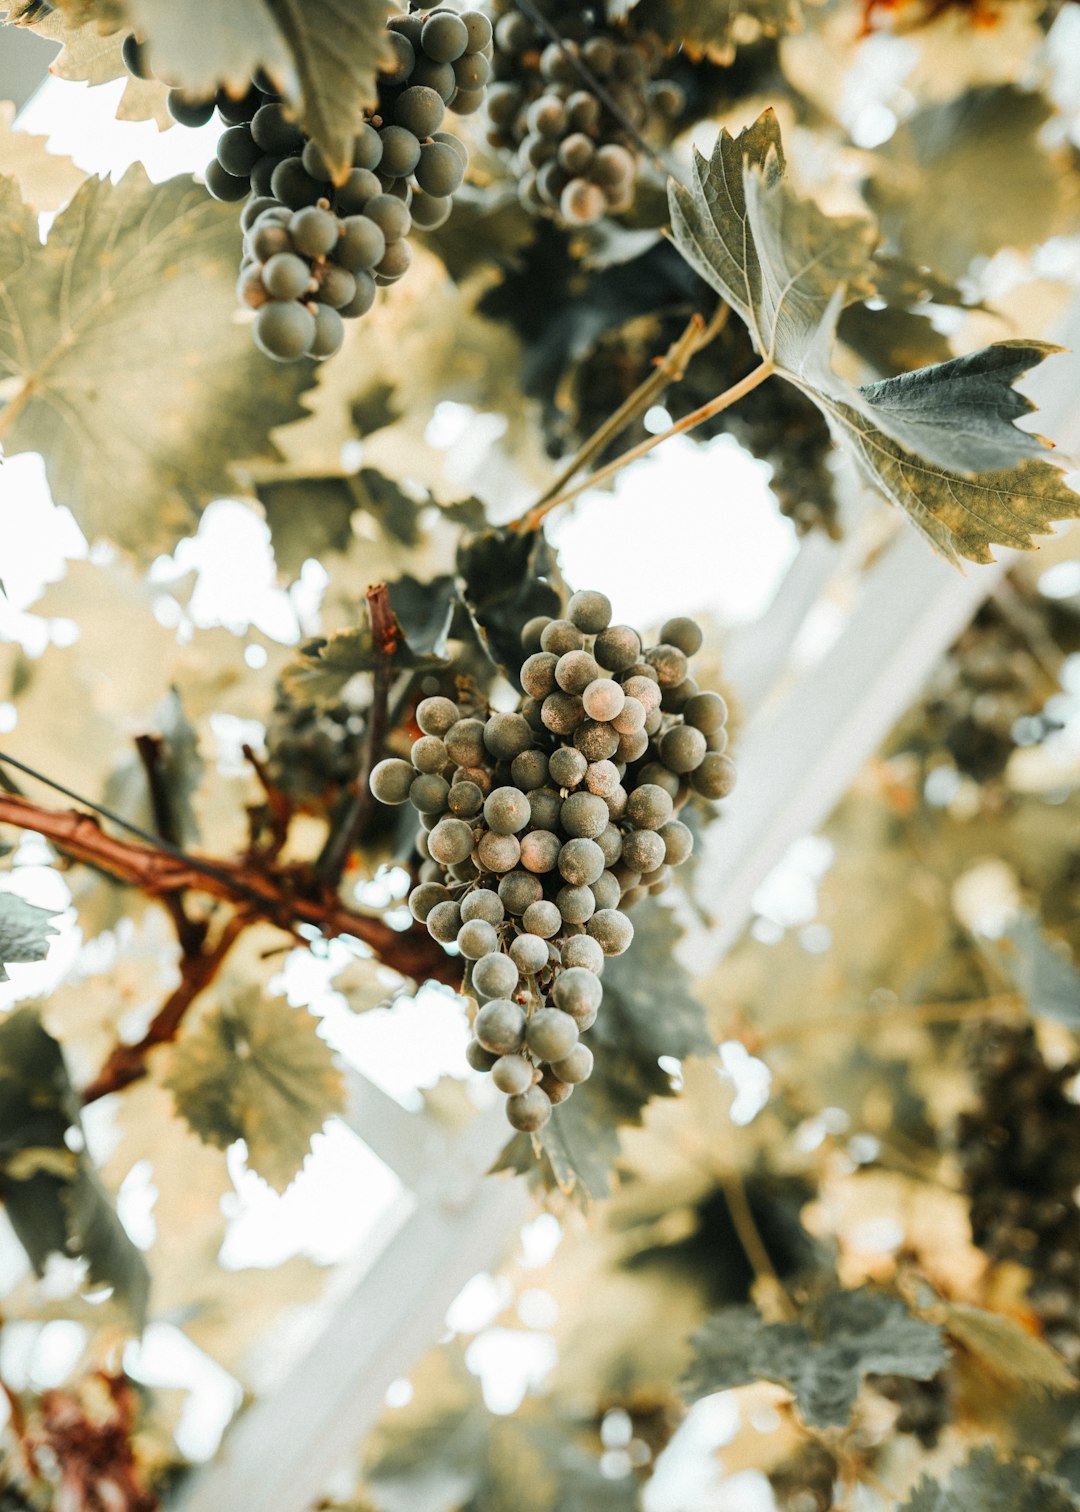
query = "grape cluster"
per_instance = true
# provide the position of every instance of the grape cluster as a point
(541, 828)
(314, 753)
(1019, 1150)
(314, 251)
(578, 159)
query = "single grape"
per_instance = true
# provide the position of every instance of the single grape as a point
(286, 276)
(234, 112)
(483, 904)
(607, 890)
(538, 674)
(581, 862)
(188, 112)
(715, 777)
(444, 921)
(465, 799)
(576, 154)
(582, 203)
(649, 806)
(531, 635)
(583, 111)
(444, 37)
(512, 1074)
(552, 1034)
(576, 1067)
(494, 975)
(401, 60)
(314, 232)
(391, 780)
(707, 712)
(424, 898)
(472, 72)
(506, 735)
(250, 289)
(284, 330)
(584, 816)
(544, 808)
(518, 891)
(437, 76)
(292, 186)
(401, 151)
(542, 918)
(262, 177)
(429, 212)
(613, 166)
(602, 778)
(437, 715)
(540, 851)
(567, 767)
(597, 741)
(479, 1058)
(450, 841)
(603, 699)
(529, 953)
(645, 689)
(363, 299)
(225, 186)
(367, 147)
(337, 286)
(611, 930)
(513, 33)
(578, 990)
(274, 132)
(610, 844)
(506, 811)
(561, 713)
(133, 53)
(575, 670)
(269, 240)
(617, 648)
(669, 663)
(529, 1112)
(254, 208)
(575, 904)
(643, 850)
(500, 1026)
(498, 853)
(409, 26)
(390, 215)
(683, 748)
(557, 1091)
(589, 611)
(439, 170)
(329, 331)
(684, 633)
(479, 30)
(429, 794)
(582, 951)
(559, 636)
(476, 939)
(658, 775)
(465, 741)
(675, 699)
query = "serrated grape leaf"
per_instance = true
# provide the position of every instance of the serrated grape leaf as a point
(507, 578)
(48, 1186)
(788, 270)
(822, 1360)
(24, 931)
(648, 1010)
(712, 28)
(89, 55)
(425, 612)
(46, 179)
(254, 1068)
(126, 367)
(1040, 969)
(986, 1484)
(1005, 1349)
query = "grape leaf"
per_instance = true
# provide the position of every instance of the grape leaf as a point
(986, 1484)
(939, 442)
(126, 367)
(506, 579)
(1039, 968)
(1003, 1348)
(46, 179)
(48, 1186)
(712, 28)
(24, 931)
(648, 1011)
(848, 1335)
(255, 1069)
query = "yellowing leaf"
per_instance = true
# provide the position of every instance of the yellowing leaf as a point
(255, 1069)
(1002, 1347)
(46, 179)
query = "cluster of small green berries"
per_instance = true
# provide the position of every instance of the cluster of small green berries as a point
(541, 828)
(314, 251)
(577, 160)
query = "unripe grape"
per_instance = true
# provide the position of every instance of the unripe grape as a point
(530, 1111)
(538, 674)
(585, 816)
(529, 769)
(603, 699)
(494, 975)
(479, 30)
(542, 918)
(669, 663)
(715, 777)
(464, 741)
(506, 735)
(575, 670)
(650, 806)
(430, 211)
(589, 611)
(552, 1034)
(618, 648)
(683, 633)
(596, 741)
(607, 891)
(500, 1026)
(683, 748)
(612, 931)
(424, 898)
(582, 203)
(567, 767)
(562, 713)
(512, 1074)
(612, 166)
(477, 938)
(717, 740)
(674, 700)
(645, 690)
(479, 1058)
(581, 862)
(575, 904)
(678, 842)
(506, 810)
(532, 633)
(429, 755)
(420, 110)
(643, 850)
(529, 954)
(545, 806)
(556, 1090)
(602, 778)
(578, 990)
(465, 799)
(444, 37)
(482, 904)
(660, 776)
(706, 712)
(367, 147)
(429, 794)
(444, 921)
(451, 841)
(559, 636)
(391, 780)
(286, 276)
(337, 288)
(582, 951)
(314, 232)
(498, 853)
(518, 891)
(576, 1067)
(611, 845)
(540, 851)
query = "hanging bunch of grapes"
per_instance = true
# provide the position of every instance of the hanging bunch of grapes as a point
(540, 829)
(315, 252)
(574, 100)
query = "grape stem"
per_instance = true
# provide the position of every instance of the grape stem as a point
(773, 1297)
(533, 517)
(668, 369)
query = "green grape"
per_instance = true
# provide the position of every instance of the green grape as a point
(250, 289)
(437, 76)
(363, 299)
(576, 154)
(451, 841)
(683, 748)
(472, 72)
(478, 29)
(476, 939)
(284, 331)
(610, 844)
(479, 1058)
(237, 151)
(561, 713)
(529, 769)
(494, 975)
(429, 794)
(645, 689)
(439, 170)
(337, 287)
(498, 853)
(575, 904)
(643, 850)
(444, 921)
(532, 633)
(684, 633)
(391, 780)
(603, 699)
(512, 1074)
(613, 166)
(589, 611)
(314, 232)
(581, 862)
(545, 807)
(506, 811)
(611, 930)
(529, 953)
(429, 754)
(715, 777)
(542, 918)
(583, 111)
(607, 891)
(617, 648)
(507, 735)
(429, 212)
(602, 778)
(395, 261)
(596, 741)
(530, 1111)
(188, 112)
(367, 147)
(675, 699)
(225, 186)
(556, 1091)
(400, 151)
(575, 670)
(669, 663)
(649, 806)
(236, 112)
(424, 898)
(483, 904)
(444, 37)
(274, 132)
(465, 102)
(465, 800)
(329, 332)
(552, 1034)
(584, 816)
(567, 766)
(292, 186)
(402, 59)
(420, 110)
(358, 191)
(707, 712)
(286, 276)
(581, 951)
(500, 1026)
(518, 891)
(255, 208)
(437, 715)
(268, 240)
(560, 636)
(678, 842)
(582, 203)
(576, 1067)
(465, 741)
(540, 851)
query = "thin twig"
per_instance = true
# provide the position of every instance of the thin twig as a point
(749, 1236)
(190, 933)
(533, 517)
(667, 369)
(386, 634)
(278, 805)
